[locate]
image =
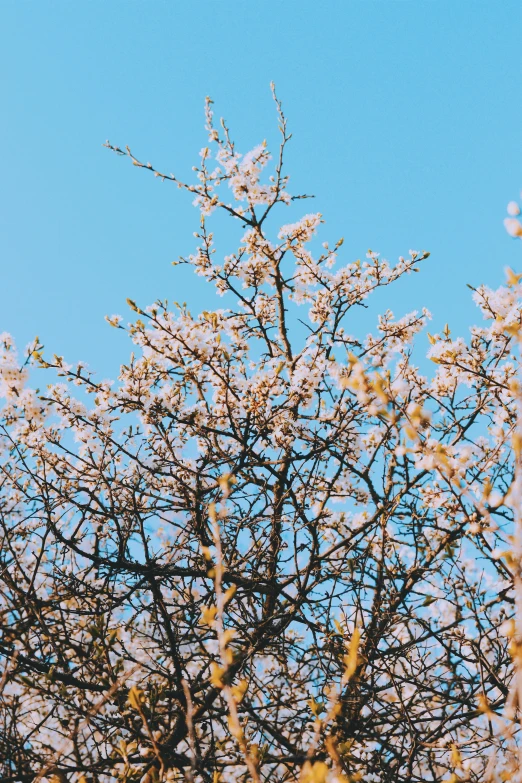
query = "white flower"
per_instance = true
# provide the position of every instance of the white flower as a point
(513, 227)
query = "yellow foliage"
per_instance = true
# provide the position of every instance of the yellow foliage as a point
(483, 706)
(352, 658)
(456, 758)
(235, 728)
(216, 672)
(208, 614)
(229, 594)
(136, 698)
(317, 707)
(239, 690)
(225, 483)
(517, 443)
(228, 635)
(314, 773)
(512, 278)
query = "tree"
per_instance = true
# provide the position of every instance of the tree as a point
(270, 551)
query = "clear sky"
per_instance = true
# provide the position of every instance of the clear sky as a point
(407, 119)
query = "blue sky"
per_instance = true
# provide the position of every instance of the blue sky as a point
(407, 123)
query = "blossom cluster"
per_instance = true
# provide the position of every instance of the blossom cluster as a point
(271, 549)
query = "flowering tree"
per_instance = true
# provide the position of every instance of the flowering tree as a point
(272, 551)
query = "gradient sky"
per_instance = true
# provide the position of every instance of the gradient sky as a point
(406, 115)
